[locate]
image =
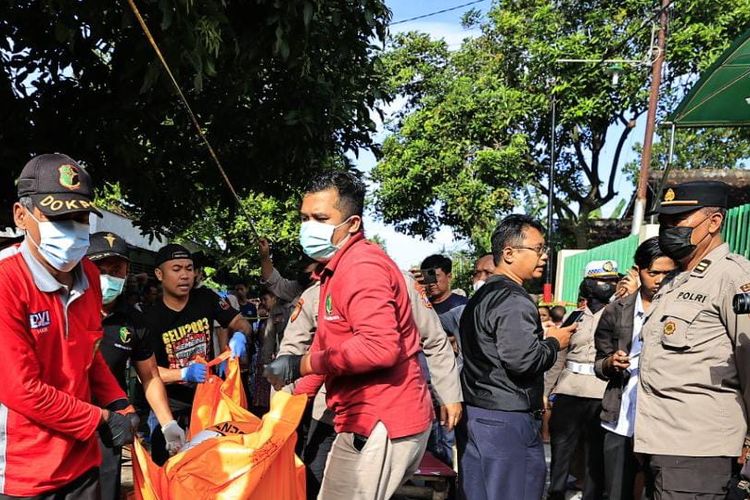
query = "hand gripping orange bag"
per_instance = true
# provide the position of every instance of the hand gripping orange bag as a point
(249, 458)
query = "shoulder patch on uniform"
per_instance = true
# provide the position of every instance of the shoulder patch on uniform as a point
(297, 310)
(702, 266)
(422, 295)
(224, 304)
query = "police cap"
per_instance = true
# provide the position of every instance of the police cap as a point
(690, 196)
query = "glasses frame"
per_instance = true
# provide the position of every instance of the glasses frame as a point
(542, 250)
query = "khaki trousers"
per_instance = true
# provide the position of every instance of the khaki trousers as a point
(372, 471)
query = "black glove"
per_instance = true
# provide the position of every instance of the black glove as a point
(282, 370)
(116, 431)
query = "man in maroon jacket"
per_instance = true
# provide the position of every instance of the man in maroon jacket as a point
(365, 349)
(56, 389)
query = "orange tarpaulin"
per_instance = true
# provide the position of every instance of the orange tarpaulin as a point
(257, 464)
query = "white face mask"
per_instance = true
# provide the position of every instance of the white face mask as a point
(315, 239)
(111, 287)
(62, 243)
(477, 284)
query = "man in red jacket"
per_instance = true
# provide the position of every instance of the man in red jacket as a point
(365, 349)
(56, 389)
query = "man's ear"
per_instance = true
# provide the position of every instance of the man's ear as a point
(19, 216)
(159, 275)
(714, 225)
(507, 255)
(356, 225)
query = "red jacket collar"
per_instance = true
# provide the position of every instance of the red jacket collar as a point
(330, 267)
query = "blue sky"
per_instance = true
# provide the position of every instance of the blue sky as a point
(406, 250)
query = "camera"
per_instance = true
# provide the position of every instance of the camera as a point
(741, 303)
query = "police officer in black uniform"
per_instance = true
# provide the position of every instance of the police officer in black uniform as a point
(124, 343)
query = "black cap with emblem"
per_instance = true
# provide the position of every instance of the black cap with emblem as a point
(690, 196)
(57, 185)
(105, 244)
(172, 251)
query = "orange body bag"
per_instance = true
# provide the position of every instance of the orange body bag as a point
(250, 459)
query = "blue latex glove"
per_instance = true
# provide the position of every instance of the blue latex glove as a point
(237, 345)
(195, 373)
(221, 370)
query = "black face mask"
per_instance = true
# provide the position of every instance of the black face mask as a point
(675, 242)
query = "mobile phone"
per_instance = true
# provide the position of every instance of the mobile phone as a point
(428, 276)
(576, 315)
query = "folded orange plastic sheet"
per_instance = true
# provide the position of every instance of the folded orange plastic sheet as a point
(251, 459)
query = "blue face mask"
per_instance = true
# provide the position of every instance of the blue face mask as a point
(63, 243)
(315, 238)
(111, 287)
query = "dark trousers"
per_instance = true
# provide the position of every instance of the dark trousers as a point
(502, 456)
(85, 487)
(688, 478)
(110, 471)
(317, 446)
(620, 466)
(573, 417)
(440, 442)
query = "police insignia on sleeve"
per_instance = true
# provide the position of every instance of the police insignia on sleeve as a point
(669, 328)
(297, 310)
(423, 295)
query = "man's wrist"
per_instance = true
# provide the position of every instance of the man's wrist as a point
(183, 373)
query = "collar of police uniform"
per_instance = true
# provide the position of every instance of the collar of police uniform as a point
(714, 255)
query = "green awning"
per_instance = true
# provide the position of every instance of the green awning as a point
(721, 98)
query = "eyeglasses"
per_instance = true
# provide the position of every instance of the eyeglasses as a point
(541, 250)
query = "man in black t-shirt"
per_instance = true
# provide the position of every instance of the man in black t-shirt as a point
(180, 329)
(440, 294)
(125, 340)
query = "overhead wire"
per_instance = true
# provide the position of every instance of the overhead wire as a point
(192, 116)
(435, 13)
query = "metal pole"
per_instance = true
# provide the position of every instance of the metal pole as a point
(653, 100)
(665, 176)
(547, 289)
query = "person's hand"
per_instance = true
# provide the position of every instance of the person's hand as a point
(628, 284)
(546, 326)
(115, 430)
(283, 370)
(174, 437)
(264, 248)
(618, 361)
(195, 373)
(562, 334)
(221, 370)
(237, 344)
(450, 414)
(745, 455)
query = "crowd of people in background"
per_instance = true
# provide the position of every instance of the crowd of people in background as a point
(640, 388)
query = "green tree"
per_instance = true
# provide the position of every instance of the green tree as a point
(472, 141)
(282, 89)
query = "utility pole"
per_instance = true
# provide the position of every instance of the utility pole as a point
(547, 288)
(639, 209)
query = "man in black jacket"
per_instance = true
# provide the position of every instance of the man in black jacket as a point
(504, 361)
(618, 347)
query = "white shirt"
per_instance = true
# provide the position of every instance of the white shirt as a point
(625, 424)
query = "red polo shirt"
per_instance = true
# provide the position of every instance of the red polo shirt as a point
(366, 345)
(52, 371)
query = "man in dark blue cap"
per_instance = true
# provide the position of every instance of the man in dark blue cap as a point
(695, 383)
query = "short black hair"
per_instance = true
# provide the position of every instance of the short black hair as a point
(438, 261)
(647, 252)
(348, 184)
(557, 313)
(511, 231)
